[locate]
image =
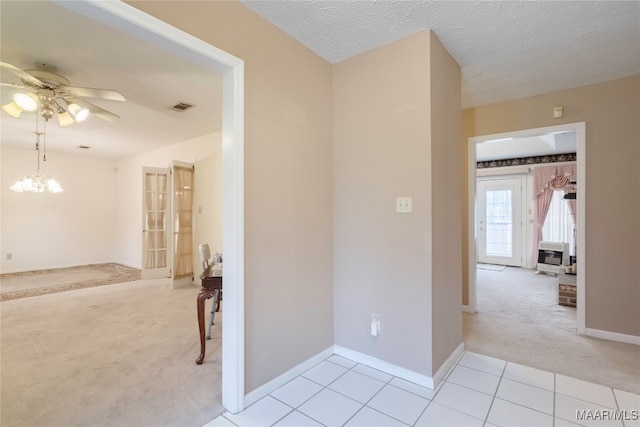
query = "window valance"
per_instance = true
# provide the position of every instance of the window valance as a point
(553, 178)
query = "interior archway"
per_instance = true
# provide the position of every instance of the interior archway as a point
(579, 128)
(127, 18)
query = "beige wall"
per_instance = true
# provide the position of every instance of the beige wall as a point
(128, 241)
(612, 115)
(208, 205)
(386, 143)
(446, 186)
(288, 183)
(43, 231)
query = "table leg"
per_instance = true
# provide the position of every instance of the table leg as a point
(200, 305)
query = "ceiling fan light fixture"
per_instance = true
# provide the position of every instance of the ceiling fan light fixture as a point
(26, 101)
(12, 109)
(65, 119)
(47, 112)
(78, 113)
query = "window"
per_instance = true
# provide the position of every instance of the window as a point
(499, 223)
(558, 226)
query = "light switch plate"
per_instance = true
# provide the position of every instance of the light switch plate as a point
(403, 204)
(557, 112)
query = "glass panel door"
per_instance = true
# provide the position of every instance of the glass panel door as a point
(155, 233)
(183, 191)
(500, 221)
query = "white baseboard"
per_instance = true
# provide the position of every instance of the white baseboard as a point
(60, 266)
(386, 367)
(467, 309)
(398, 371)
(448, 364)
(126, 264)
(274, 384)
(613, 336)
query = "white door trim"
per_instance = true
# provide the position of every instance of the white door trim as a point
(519, 213)
(123, 16)
(580, 129)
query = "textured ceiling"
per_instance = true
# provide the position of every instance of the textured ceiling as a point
(506, 49)
(91, 54)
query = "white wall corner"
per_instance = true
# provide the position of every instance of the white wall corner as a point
(613, 336)
(448, 364)
(267, 388)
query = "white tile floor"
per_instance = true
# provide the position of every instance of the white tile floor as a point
(478, 391)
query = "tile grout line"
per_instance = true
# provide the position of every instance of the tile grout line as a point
(229, 419)
(324, 387)
(615, 399)
(387, 383)
(446, 381)
(429, 400)
(364, 405)
(425, 409)
(285, 415)
(341, 394)
(439, 387)
(493, 398)
(527, 407)
(554, 399)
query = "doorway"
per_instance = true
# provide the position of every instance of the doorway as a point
(156, 261)
(127, 18)
(500, 221)
(182, 220)
(579, 129)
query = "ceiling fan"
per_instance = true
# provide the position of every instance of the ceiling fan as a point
(52, 95)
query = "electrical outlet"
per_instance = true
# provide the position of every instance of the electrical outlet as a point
(403, 204)
(375, 325)
(9, 256)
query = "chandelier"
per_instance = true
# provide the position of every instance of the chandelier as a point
(38, 182)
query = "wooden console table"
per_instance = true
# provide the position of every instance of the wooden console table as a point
(211, 287)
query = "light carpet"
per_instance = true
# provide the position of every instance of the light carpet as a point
(519, 320)
(124, 355)
(120, 355)
(43, 282)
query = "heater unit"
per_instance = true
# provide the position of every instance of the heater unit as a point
(553, 256)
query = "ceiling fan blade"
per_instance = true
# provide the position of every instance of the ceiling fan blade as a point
(97, 111)
(15, 85)
(22, 74)
(96, 93)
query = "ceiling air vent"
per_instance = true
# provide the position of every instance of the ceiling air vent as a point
(182, 106)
